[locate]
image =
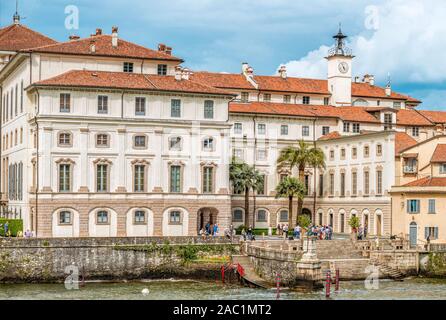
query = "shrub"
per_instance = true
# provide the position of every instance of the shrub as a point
(304, 221)
(15, 225)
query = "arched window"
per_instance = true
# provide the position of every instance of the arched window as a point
(360, 102)
(237, 215)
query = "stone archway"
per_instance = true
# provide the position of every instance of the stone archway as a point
(206, 216)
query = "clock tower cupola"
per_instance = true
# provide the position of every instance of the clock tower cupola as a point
(340, 71)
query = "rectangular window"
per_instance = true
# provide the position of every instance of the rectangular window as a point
(366, 151)
(366, 182)
(209, 109)
(415, 131)
(140, 142)
(102, 140)
(139, 178)
(346, 127)
(305, 131)
(388, 121)
(102, 178)
(321, 185)
(65, 217)
(261, 128)
(175, 217)
(140, 106)
(354, 183)
(175, 108)
(343, 153)
(325, 130)
(175, 179)
(431, 233)
(354, 152)
(342, 184)
(244, 97)
(237, 216)
(140, 217)
(238, 128)
(379, 149)
(102, 104)
(431, 206)
(102, 217)
(379, 182)
(261, 216)
(267, 97)
(283, 216)
(286, 98)
(397, 105)
(326, 101)
(356, 127)
(65, 102)
(261, 154)
(443, 168)
(208, 179)
(175, 143)
(162, 69)
(238, 153)
(284, 130)
(128, 67)
(64, 178)
(413, 206)
(331, 184)
(306, 100)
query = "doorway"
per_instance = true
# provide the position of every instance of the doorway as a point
(342, 227)
(413, 234)
(378, 225)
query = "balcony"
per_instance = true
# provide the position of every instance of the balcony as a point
(410, 169)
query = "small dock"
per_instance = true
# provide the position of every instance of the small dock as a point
(249, 275)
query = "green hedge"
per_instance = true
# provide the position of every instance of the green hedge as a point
(15, 225)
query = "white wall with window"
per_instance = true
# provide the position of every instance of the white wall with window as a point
(175, 222)
(139, 222)
(102, 222)
(65, 223)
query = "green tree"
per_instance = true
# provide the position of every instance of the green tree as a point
(301, 157)
(290, 188)
(245, 178)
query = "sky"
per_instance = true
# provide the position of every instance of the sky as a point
(400, 40)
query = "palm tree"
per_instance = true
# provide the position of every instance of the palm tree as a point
(290, 188)
(302, 156)
(245, 178)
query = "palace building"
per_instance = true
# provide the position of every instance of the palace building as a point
(104, 137)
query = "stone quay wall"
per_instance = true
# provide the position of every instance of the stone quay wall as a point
(49, 260)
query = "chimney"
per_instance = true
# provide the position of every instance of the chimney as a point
(98, 31)
(245, 67)
(185, 74)
(16, 18)
(178, 73)
(115, 37)
(248, 72)
(74, 37)
(168, 51)
(372, 80)
(92, 47)
(366, 78)
(282, 72)
(161, 47)
(356, 79)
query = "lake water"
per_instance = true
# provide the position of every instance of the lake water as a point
(417, 288)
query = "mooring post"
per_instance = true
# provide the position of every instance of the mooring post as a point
(223, 273)
(337, 280)
(278, 286)
(328, 284)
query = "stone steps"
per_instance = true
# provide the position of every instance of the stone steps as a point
(250, 276)
(337, 249)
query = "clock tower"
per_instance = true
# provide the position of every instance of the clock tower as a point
(340, 71)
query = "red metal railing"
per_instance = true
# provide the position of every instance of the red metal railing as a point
(240, 270)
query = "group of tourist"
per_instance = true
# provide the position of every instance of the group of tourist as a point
(209, 230)
(248, 234)
(362, 232)
(321, 232)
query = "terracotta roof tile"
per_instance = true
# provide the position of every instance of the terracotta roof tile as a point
(403, 141)
(223, 80)
(271, 109)
(434, 116)
(366, 90)
(291, 84)
(103, 47)
(122, 80)
(439, 154)
(409, 117)
(331, 135)
(18, 37)
(427, 182)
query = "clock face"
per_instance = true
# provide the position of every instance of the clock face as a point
(343, 67)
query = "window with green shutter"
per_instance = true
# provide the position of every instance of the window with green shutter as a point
(175, 179)
(413, 206)
(431, 206)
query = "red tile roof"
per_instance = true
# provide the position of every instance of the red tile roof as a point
(18, 37)
(439, 154)
(356, 114)
(427, 182)
(290, 84)
(434, 116)
(223, 80)
(103, 47)
(403, 141)
(409, 117)
(366, 90)
(122, 80)
(331, 135)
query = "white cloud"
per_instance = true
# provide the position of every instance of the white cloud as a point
(409, 44)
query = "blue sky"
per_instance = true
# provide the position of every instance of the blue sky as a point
(403, 38)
